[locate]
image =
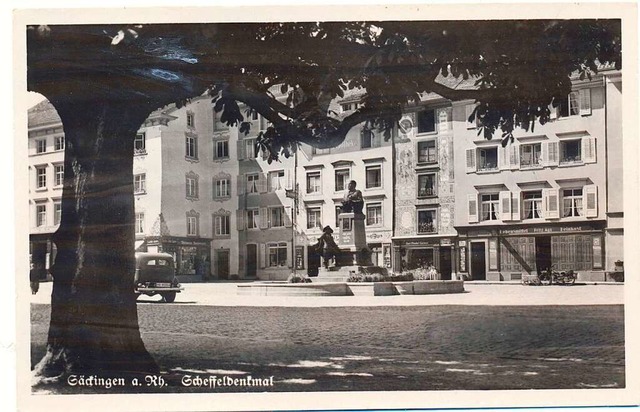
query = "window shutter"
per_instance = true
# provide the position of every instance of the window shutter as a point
(550, 155)
(241, 151)
(550, 201)
(503, 158)
(553, 112)
(264, 216)
(590, 200)
(514, 156)
(471, 160)
(240, 218)
(289, 255)
(505, 205)
(288, 177)
(262, 183)
(472, 203)
(263, 255)
(242, 182)
(469, 110)
(585, 102)
(588, 149)
(287, 216)
(515, 205)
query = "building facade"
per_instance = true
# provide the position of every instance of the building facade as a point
(542, 200)
(424, 189)
(436, 193)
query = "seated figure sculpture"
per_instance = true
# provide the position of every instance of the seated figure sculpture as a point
(352, 200)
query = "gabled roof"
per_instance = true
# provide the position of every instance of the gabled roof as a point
(42, 114)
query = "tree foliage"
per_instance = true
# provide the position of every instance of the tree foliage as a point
(291, 73)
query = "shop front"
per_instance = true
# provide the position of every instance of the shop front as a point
(508, 253)
(192, 256)
(420, 253)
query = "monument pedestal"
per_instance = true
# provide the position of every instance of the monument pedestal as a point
(354, 257)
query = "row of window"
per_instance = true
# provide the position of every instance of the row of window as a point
(41, 176)
(342, 176)
(373, 214)
(221, 224)
(532, 155)
(41, 144)
(534, 204)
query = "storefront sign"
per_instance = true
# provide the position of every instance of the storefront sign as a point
(546, 230)
(431, 242)
(299, 257)
(463, 258)
(597, 252)
(493, 254)
(445, 242)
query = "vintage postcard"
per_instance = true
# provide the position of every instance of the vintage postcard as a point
(326, 207)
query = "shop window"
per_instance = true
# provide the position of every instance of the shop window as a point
(427, 185)
(489, 206)
(342, 179)
(488, 158)
(532, 205)
(427, 121)
(374, 214)
(373, 177)
(313, 182)
(572, 203)
(427, 152)
(277, 254)
(427, 221)
(531, 155)
(314, 218)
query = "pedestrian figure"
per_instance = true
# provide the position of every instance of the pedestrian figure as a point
(352, 200)
(327, 246)
(34, 279)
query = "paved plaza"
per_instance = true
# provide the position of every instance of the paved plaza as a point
(492, 337)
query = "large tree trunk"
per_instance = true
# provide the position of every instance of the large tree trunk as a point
(94, 321)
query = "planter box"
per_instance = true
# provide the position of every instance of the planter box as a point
(293, 289)
(404, 288)
(372, 288)
(428, 287)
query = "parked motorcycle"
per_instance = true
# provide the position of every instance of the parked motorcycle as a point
(550, 276)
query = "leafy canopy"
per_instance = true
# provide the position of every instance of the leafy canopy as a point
(292, 73)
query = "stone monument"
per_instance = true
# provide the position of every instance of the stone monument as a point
(354, 254)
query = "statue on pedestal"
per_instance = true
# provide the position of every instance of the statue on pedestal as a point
(352, 201)
(327, 246)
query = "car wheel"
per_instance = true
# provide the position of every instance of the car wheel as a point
(169, 297)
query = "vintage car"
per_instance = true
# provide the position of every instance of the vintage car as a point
(156, 275)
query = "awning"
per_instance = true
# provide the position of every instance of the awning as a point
(138, 244)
